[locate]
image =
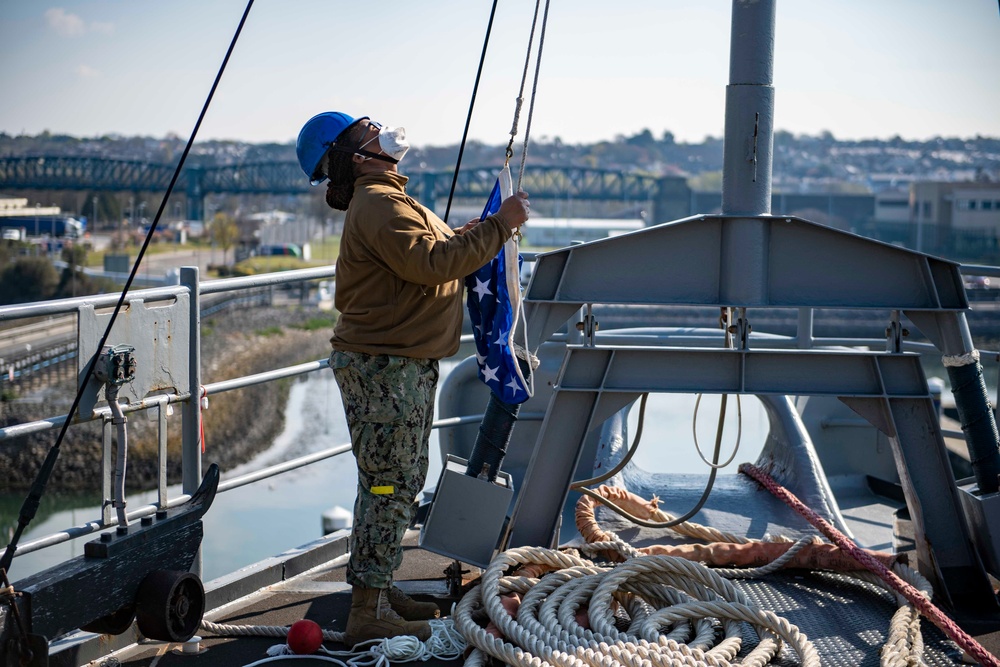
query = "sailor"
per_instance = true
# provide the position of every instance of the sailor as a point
(399, 294)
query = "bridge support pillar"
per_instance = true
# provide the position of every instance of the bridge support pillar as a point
(671, 200)
(195, 194)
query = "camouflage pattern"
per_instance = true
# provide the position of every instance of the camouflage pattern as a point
(389, 402)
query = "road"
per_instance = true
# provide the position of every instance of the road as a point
(19, 341)
(156, 265)
(160, 263)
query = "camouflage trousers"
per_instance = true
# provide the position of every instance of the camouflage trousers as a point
(389, 402)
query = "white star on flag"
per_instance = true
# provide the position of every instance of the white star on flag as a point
(513, 384)
(482, 289)
(490, 374)
(502, 338)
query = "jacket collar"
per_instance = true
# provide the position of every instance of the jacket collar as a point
(390, 178)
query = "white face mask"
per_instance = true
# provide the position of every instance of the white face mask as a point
(392, 141)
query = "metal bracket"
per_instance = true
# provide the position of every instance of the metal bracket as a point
(895, 333)
(588, 326)
(741, 330)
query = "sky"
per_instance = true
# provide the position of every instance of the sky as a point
(856, 68)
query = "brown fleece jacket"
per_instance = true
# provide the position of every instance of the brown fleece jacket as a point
(400, 271)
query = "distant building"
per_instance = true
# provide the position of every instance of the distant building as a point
(37, 220)
(963, 215)
(892, 206)
(11, 207)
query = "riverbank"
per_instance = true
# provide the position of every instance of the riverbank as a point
(238, 424)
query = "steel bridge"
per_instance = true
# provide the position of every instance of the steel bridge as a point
(285, 178)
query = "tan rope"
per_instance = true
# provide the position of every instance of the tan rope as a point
(647, 513)
(278, 631)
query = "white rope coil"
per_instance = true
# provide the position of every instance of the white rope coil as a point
(674, 609)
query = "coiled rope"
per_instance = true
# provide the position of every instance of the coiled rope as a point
(904, 642)
(658, 609)
(655, 592)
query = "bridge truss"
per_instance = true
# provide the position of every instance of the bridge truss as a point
(285, 178)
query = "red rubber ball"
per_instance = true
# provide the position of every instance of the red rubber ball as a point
(304, 637)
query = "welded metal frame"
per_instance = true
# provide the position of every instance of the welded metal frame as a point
(706, 260)
(889, 389)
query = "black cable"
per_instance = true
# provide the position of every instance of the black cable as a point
(30, 506)
(468, 118)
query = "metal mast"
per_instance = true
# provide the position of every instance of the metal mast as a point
(746, 172)
(749, 138)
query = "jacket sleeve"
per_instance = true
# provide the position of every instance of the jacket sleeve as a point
(410, 243)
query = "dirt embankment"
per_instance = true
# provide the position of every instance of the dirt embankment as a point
(238, 424)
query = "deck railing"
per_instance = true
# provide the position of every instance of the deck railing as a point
(191, 449)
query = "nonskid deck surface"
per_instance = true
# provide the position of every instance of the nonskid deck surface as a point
(847, 620)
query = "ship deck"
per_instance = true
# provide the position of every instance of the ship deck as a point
(847, 620)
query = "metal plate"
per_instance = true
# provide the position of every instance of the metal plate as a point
(159, 332)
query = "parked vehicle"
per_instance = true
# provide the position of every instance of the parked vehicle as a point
(14, 234)
(280, 249)
(48, 225)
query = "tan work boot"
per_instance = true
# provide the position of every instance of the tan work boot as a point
(410, 609)
(372, 617)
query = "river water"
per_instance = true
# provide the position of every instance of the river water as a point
(268, 517)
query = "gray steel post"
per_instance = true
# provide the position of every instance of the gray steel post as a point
(191, 445)
(804, 333)
(746, 173)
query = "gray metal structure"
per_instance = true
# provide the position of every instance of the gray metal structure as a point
(745, 259)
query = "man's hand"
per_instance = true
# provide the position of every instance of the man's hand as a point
(467, 226)
(515, 209)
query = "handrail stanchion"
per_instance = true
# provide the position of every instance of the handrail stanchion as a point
(804, 333)
(191, 444)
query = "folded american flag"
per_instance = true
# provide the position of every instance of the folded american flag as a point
(493, 300)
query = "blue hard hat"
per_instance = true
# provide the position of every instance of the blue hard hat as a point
(315, 139)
